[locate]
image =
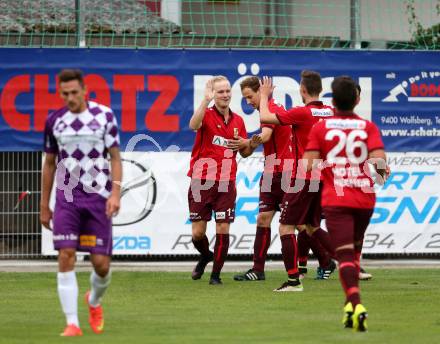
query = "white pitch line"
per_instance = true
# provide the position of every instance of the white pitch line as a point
(230, 266)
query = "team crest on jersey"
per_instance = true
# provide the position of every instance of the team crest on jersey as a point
(219, 141)
(345, 124)
(322, 112)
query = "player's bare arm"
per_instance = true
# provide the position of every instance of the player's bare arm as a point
(48, 176)
(265, 135)
(378, 159)
(197, 118)
(266, 89)
(312, 158)
(247, 147)
(113, 202)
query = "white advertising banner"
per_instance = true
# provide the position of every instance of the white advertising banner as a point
(407, 214)
(154, 210)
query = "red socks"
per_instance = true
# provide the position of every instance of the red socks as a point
(324, 239)
(349, 275)
(261, 245)
(289, 252)
(202, 246)
(220, 251)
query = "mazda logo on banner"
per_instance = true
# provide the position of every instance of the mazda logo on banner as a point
(138, 193)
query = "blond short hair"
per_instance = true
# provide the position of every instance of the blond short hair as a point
(218, 78)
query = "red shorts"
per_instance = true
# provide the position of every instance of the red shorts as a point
(271, 199)
(302, 207)
(220, 198)
(347, 225)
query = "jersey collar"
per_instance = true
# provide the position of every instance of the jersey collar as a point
(345, 113)
(315, 102)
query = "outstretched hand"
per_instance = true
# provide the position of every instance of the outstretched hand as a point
(209, 90)
(237, 144)
(256, 140)
(266, 86)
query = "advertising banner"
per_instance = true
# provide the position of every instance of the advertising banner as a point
(154, 209)
(155, 92)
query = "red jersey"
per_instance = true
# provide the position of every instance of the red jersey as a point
(210, 159)
(344, 142)
(302, 119)
(280, 144)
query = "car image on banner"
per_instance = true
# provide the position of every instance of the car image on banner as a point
(138, 193)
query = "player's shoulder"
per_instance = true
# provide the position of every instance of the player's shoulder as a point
(320, 125)
(237, 117)
(54, 115)
(274, 105)
(366, 123)
(210, 112)
(95, 106)
(352, 122)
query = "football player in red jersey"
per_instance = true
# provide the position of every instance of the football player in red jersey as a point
(277, 143)
(220, 135)
(301, 203)
(348, 144)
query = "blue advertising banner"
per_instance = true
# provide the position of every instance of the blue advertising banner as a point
(154, 92)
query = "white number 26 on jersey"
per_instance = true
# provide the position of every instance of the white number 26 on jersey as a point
(349, 143)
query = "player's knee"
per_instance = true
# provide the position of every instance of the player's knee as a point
(301, 228)
(222, 228)
(101, 264)
(198, 230)
(66, 259)
(102, 270)
(286, 229)
(264, 220)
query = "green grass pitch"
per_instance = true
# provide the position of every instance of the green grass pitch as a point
(165, 307)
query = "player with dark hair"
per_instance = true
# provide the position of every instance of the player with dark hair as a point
(301, 206)
(77, 140)
(347, 144)
(220, 135)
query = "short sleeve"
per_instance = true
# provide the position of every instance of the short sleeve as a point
(374, 140)
(270, 126)
(111, 136)
(50, 142)
(208, 113)
(313, 141)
